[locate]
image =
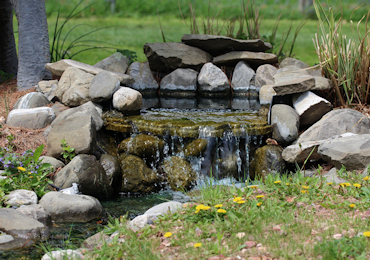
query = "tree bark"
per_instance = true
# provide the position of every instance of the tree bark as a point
(8, 52)
(33, 42)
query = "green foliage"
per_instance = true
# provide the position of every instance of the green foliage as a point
(24, 171)
(4, 77)
(68, 152)
(130, 55)
(344, 248)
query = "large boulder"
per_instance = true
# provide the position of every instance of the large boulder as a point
(265, 75)
(285, 123)
(102, 86)
(168, 56)
(79, 133)
(213, 81)
(117, 62)
(71, 208)
(336, 122)
(180, 83)
(180, 175)
(127, 100)
(143, 76)
(32, 118)
(88, 173)
(137, 177)
(31, 100)
(36, 211)
(196, 147)
(113, 171)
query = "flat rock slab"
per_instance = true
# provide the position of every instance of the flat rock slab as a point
(31, 118)
(169, 56)
(252, 58)
(217, 45)
(294, 86)
(58, 68)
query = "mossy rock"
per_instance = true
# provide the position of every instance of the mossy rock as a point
(142, 145)
(137, 177)
(266, 160)
(195, 148)
(180, 175)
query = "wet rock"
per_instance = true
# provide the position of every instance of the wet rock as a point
(36, 211)
(79, 133)
(267, 160)
(144, 80)
(31, 100)
(32, 118)
(336, 122)
(180, 83)
(353, 152)
(179, 173)
(113, 171)
(117, 62)
(21, 197)
(105, 144)
(310, 107)
(168, 56)
(88, 173)
(293, 86)
(137, 177)
(228, 167)
(196, 147)
(285, 123)
(243, 78)
(127, 100)
(102, 86)
(252, 58)
(141, 145)
(265, 75)
(71, 207)
(213, 81)
(266, 93)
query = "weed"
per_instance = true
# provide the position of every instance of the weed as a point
(130, 55)
(68, 152)
(344, 248)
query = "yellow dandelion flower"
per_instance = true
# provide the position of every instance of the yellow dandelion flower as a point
(221, 211)
(197, 211)
(253, 187)
(259, 204)
(366, 233)
(31, 177)
(277, 182)
(287, 184)
(304, 191)
(352, 205)
(236, 199)
(260, 196)
(347, 184)
(197, 245)
(305, 187)
(167, 234)
(329, 183)
(29, 173)
(218, 206)
(200, 206)
(21, 168)
(357, 185)
(240, 201)
(366, 178)
(206, 208)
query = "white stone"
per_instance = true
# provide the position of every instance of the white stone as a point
(266, 94)
(32, 118)
(21, 197)
(127, 100)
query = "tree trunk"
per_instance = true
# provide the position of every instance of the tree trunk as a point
(8, 52)
(33, 42)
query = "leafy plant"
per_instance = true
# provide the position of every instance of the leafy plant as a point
(4, 77)
(130, 55)
(68, 152)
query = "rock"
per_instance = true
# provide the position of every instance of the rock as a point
(32, 118)
(336, 122)
(88, 110)
(353, 152)
(36, 211)
(265, 75)
(117, 62)
(73, 87)
(266, 93)
(88, 173)
(180, 175)
(79, 133)
(266, 160)
(252, 58)
(105, 144)
(322, 83)
(127, 100)
(31, 100)
(102, 86)
(58, 68)
(137, 177)
(19, 225)
(71, 208)
(290, 73)
(164, 208)
(144, 80)
(55, 163)
(241, 103)
(168, 56)
(285, 123)
(310, 107)
(113, 171)
(294, 86)
(298, 153)
(332, 176)
(94, 240)
(141, 221)
(59, 108)
(228, 166)
(293, 62)
(180, 83)
(217, 45)
(243, 78)
(4, 238)
(142, 145)
(21, 197)
(69, 254)
(196, 147)
(47, 87)
(212, 81)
